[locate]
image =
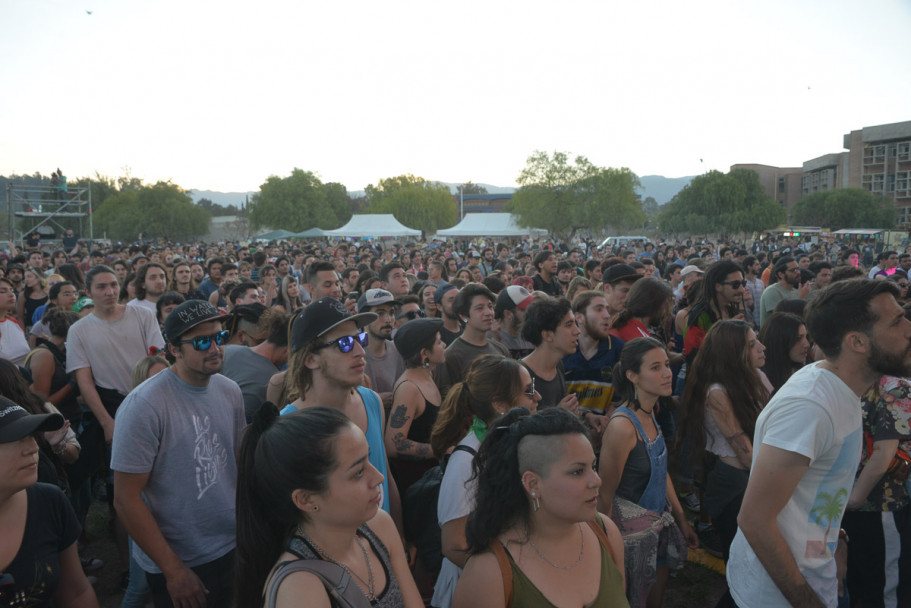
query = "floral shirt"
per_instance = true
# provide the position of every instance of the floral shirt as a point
(887, 415)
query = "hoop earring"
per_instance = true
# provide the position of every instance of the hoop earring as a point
(535, 502)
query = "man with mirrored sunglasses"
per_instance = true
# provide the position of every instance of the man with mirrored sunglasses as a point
(327, 369)
(174, 464)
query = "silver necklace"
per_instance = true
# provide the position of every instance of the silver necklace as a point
(550, 563)
(371, 587)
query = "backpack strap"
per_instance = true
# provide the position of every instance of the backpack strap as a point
(458, 448)
(499, 552)
(335, 578)
(597, 527)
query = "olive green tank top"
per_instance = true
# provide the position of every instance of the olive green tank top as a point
(610, 591)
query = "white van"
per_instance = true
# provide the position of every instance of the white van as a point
(614, 241)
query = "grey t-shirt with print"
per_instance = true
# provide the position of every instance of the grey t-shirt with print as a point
(186, 438)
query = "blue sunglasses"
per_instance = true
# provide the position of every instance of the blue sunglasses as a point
(205, 342)
(346, 343)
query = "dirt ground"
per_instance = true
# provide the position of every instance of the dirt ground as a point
(695, 586)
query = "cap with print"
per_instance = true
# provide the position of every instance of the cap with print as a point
(375, 297)
(16, 423)
(187, 316)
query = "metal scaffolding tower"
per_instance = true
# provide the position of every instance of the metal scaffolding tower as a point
(47, 204)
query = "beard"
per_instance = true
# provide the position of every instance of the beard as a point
(890, 364)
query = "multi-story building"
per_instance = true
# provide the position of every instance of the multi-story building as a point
(878, 159)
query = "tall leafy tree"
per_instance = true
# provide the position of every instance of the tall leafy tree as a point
(163, 209)
(470, 188)
(564, 197)
(844, 208)
(415, 202)
(732, 203)
(297, 202)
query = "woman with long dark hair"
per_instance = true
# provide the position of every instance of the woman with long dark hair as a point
(493, 385)
(785, 338)
(636, 489)
(307, 491)
(537, 501)
(725, 391)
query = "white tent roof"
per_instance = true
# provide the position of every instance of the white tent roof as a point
(373, 225)
(487, 224)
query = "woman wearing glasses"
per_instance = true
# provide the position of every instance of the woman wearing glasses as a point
(493, 385)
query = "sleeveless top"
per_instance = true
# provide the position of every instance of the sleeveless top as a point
(30, 305)
(390, 597)
(423, 424)
(69, 407)
(715, 442)
(644, 479)
(610, 590)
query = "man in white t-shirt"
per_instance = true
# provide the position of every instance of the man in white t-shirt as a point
(151, 283)
(788, 549)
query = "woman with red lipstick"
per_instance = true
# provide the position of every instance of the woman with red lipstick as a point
(39, 564)
(725, 391)
(636, 489)
(535, 536)
(307, 491)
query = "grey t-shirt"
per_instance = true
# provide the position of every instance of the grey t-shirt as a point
(251, 372)
(112, 348)
(186, 438)
(384, 371)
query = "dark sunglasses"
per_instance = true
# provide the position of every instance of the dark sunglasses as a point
(530, 390)
(735, 284)
(411, 315)
(205, 342)
(346, 343)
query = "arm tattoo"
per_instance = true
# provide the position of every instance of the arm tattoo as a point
(411, 448)
(399, 417)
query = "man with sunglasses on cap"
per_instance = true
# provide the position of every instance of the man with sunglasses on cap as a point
(328, 370)
(384, 364)
(175, 472)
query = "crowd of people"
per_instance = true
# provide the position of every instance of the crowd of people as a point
(462, 424)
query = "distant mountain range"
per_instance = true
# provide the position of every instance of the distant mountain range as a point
(661, 188)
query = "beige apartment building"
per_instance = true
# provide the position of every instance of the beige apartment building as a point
(877, 159)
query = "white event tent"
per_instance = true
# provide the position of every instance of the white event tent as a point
(488, 224)
(373, 225)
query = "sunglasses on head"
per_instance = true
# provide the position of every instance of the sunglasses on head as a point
(411, 315)
(205, 342)
(735, 284)
(346, 343)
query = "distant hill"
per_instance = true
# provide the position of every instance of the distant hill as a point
(661, 188)
(222, 198)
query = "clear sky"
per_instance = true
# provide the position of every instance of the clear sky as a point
(220, 95)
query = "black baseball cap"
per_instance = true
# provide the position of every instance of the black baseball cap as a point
(187, 316)
(414, 335)
(16, 422)
(320, 318)
(620, 272)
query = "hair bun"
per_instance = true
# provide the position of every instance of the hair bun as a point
(264, 417)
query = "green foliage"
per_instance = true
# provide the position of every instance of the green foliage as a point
(298, 202)
(470, 188)
(844, 208)
(415, 202)
(732, 203)
(217, 209)
(161, 210)
(563, 198)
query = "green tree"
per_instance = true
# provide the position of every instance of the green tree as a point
(217, 209)
(564, 197)
(470, 188)
(297, 202)
(161, 210)
(844, 208)
(415, 202)
(732, 203)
